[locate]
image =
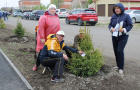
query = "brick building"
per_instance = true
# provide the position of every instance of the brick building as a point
(28, 4)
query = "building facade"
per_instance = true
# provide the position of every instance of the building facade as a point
(104, 7)
(28, 4)
(65, 4)
(79, 3)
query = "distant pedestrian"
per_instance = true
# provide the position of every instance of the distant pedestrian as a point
(6, 15)
(119, 26)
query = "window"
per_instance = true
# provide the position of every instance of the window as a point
(62, 10)
(90, 11)
(74, 12)
(78, 11)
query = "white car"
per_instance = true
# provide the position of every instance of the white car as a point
(15, 14)
(62, 12)
(134, 14)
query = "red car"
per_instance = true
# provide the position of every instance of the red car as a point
(81, 15)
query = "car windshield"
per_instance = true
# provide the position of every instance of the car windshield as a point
(128, 11)
(40, 12)
(62, 10)
(89, 11)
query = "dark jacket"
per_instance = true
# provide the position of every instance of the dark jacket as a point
(117, 18)
(52, 48)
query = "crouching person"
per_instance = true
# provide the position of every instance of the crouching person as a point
(52, 57)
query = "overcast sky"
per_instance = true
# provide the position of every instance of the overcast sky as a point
(14, 3)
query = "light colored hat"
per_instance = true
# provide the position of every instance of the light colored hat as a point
(60, 33)
(81, 30)
(51, 6)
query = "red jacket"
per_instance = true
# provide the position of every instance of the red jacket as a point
(47, 25)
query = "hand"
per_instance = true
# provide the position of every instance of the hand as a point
(65, 57)
(120, 30)
(113, 30)
(43, 41)
(80, 52)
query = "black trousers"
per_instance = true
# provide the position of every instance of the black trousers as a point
(118, 46)
(38, 61)
(56, 63)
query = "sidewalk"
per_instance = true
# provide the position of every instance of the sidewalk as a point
(10, 77)
(104, 20)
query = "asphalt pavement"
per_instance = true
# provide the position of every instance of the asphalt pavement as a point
(10, 77)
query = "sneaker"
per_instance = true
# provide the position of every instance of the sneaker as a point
(116, 67)
(58, 80)
(35, 68)
(121, 71)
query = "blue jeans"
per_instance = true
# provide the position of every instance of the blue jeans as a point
(118, 46)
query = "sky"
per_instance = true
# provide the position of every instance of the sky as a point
(14, 3)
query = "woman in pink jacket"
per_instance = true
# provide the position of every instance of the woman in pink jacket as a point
(48, 24)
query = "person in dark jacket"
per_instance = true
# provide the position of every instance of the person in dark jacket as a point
(119, 26)
(6, 15)
(51, 55)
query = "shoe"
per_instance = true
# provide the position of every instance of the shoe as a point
(58, 80)
(35, 68)
(121, 71)
(116, 67)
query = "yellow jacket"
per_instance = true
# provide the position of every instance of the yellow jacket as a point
(52, 48)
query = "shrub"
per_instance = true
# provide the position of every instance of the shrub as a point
(2, 24)
(91, 63)
(19, 31)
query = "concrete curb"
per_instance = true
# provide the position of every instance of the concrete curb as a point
(17, 71)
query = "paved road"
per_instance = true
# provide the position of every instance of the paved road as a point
(10, 77)
(101, 36)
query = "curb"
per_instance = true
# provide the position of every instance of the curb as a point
(17, 71)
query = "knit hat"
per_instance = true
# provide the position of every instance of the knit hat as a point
(51, 6)
(60, 33)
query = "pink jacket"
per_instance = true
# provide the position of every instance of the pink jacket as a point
(47, 25)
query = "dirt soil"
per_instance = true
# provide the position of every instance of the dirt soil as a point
(21, 53)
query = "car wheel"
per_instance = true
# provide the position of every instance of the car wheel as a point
(79, 22)
(133, 20)
(67, 21)
(35, 18)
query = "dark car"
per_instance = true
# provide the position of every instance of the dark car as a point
(80, 15)
(25, 15)
(36, 14)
